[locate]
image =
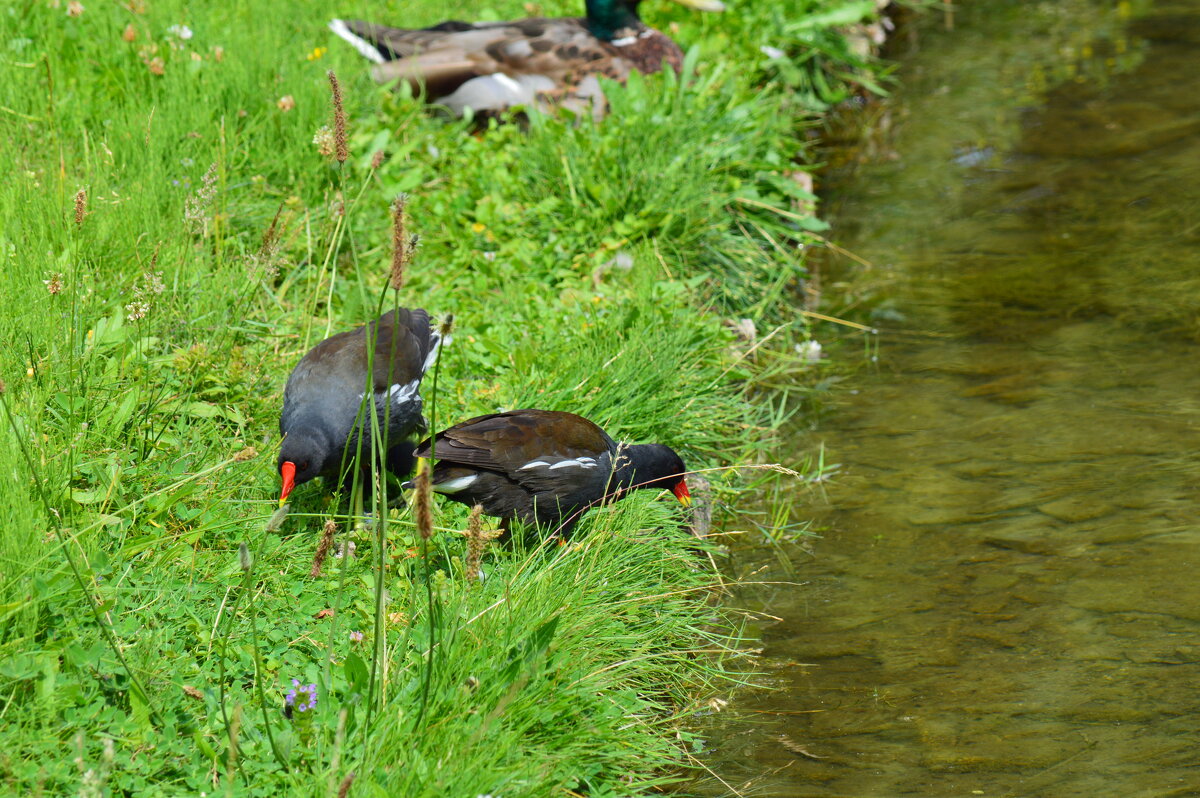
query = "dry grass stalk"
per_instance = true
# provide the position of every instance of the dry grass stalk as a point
(339, 120)
(80, 206)
(265, 262)
(323, 547)
(249, 453)
(270, 239)
(235, 726)
(423, 501)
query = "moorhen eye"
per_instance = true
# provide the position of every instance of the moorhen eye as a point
(611, 41)
(325, 391)
(544, 467)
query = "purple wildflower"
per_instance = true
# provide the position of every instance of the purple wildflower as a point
(356, 636)
(306, 693)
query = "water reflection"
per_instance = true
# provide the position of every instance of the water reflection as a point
(1006, 600)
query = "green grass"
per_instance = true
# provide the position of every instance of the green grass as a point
(133, 648)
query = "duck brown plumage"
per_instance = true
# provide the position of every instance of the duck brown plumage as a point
(545, 467)
(489, 66)
(322, 418)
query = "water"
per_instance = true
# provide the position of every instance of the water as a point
(1005, 599)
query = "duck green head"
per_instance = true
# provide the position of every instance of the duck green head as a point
(606, 18)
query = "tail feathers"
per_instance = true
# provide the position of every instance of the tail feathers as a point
(367, 49)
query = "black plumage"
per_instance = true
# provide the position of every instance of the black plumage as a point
(324, 419)
(545, 467)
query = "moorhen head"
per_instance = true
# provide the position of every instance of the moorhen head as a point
(545, 467)
(322, 420)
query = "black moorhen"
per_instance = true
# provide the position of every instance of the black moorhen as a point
(545, 467)
(325, 391)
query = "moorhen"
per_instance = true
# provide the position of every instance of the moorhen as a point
(545, 467)
(490, 66)
(322, 400)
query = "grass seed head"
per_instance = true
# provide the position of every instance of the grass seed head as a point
(265, 262)
(323, 547)
(401, 244)
(244, 559)
(339, 119)
(344, 789)
(377, 159)
(423, 501)
(323, 138)
(80, 206)
(477, 541)
(195, 208)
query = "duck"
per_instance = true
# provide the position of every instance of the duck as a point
(321, 415)
(545, 467)
(487, 67)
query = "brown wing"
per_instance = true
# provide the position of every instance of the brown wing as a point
(444, 57)
(505, 442)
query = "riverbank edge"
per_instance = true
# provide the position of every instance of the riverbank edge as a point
(661, 671)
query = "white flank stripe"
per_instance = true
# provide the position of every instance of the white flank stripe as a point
(455, 485)
(533, 464)
(624, 42)
(364, 47)
(399, 394)
(567, 464)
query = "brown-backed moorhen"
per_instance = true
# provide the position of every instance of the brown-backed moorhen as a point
(324, 394)
(545, 467)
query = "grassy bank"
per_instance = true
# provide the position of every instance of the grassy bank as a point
(149, 324)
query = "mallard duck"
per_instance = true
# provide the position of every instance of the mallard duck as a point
(490, 66)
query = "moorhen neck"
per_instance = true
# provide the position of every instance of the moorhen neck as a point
(545, 467)
(322, 416)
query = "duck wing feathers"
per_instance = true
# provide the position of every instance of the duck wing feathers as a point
(445, 56)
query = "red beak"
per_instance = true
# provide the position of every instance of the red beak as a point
(288, 472)
(681, 492)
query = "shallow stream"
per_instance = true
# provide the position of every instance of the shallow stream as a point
(1005, 595)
